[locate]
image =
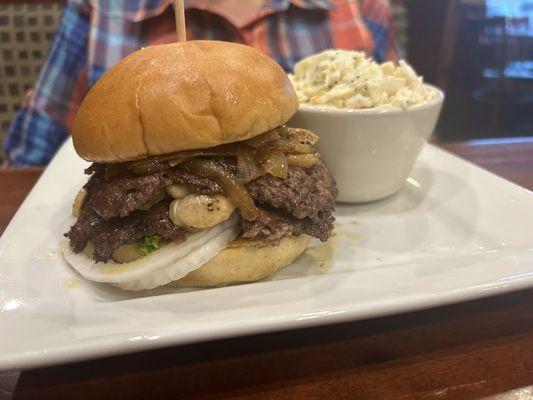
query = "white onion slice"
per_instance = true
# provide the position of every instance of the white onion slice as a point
(164, 265)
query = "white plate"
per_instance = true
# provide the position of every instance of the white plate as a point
(453, 233)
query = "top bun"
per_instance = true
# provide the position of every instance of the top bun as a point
(181, 96)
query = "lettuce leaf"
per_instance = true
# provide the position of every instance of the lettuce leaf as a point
(149, 244)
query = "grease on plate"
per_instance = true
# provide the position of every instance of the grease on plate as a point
(345, 233)
(48, 254)
(70, 283)
(321, 255)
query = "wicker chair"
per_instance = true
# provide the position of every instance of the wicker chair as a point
(26, 31)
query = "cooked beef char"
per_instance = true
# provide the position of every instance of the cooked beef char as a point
(202, 185)
(304, 194)
(271, 227)
(120, 197)
(88, 225)
(108, 235)
(319, 227)
(158, 221)
(117, 232)
(112, 215)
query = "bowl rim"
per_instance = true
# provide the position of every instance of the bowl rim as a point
(321, 109)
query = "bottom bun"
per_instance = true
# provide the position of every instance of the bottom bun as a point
(245, 261)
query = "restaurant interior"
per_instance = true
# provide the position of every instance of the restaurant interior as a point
(404, 332)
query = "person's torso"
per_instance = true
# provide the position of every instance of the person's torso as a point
(285, 30)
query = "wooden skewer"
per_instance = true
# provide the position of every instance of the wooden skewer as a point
(179, 11)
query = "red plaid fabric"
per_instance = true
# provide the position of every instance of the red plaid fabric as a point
(94, 35)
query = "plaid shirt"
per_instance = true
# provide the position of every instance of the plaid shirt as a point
(94, 34)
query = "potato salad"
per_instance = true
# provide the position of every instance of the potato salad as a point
(349, 79)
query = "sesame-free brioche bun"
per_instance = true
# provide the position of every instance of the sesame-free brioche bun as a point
(245, 261)
(181, 96)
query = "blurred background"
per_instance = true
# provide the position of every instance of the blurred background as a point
(479, 51)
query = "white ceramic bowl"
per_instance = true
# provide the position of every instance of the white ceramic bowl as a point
(370, 152)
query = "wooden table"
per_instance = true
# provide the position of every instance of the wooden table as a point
(479, 349)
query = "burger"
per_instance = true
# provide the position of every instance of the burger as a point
(195, 179)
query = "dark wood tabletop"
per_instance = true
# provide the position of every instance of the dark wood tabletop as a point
(473, 350)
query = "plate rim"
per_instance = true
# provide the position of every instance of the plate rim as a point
(87, 350)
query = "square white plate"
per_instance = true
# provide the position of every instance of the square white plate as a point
(454, 232)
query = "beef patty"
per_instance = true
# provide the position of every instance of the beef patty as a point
(108, 235)
(303, 194)
(113, 213)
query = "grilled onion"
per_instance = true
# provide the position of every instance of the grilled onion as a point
(149, 166)
(301, 135)
(261, 140)
(294, 140)
(222, 150)
(247, 168)
(113, 170)
(292, 146)
(272, 161)
(234, 189)
(303, 160)
(266, 153)
(160, 163)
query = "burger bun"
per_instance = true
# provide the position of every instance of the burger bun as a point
(245, 261)
(181, 96)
